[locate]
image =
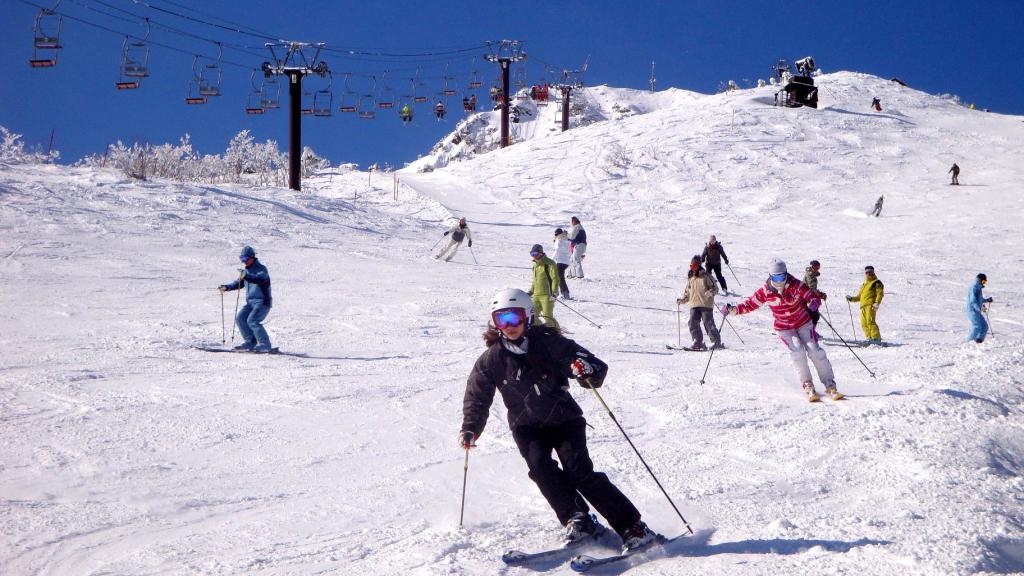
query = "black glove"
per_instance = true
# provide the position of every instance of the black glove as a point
(823, 296)
(447, 233)
(989, 299)
(467, 439)
(849, 298)
(470, 243)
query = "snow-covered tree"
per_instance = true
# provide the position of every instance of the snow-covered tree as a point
(12, 150)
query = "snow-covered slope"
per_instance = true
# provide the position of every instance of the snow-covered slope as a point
(126, 452)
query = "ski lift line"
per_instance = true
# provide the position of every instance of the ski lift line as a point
(241, 29)
(121, 34)
(237, 30)
(248, 50)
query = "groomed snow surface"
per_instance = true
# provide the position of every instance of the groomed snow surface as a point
(123, 450)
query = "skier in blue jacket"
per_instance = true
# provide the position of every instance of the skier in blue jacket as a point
(256, 280)
(979, 326)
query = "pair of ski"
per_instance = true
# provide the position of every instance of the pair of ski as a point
(858, 343)
(688, 348)
(272, 351)
(580, 562)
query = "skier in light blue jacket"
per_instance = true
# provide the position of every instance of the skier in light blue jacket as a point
(975, 300)
(256, 280)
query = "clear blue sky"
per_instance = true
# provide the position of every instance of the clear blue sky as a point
(973, 49)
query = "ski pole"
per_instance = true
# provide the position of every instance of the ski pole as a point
(738, 283)
(560, 301)
(991, 332)
(712, 355)
(679, 325)
(644, 462)
(848, 347)
(827, 311)
(465, 474)
(223, 327)
(853, 326)
(473, 254)
(436, 243)
(235, 317)
(734, 330)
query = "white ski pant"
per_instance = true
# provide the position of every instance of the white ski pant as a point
(576, 266)
(453, 246)
(803, 343)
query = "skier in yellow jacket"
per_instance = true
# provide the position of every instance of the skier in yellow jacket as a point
(870, 297)
(545, 286)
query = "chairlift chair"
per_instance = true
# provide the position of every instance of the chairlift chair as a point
(252, 104)
(270, 94)
(253, 101)
(46, 39)
(211, 75)
(192, 95)
(323, 102)
(474, 80)
(417, 93)
(366, 107)
(349, 99)
(387, 95)
(306, 104)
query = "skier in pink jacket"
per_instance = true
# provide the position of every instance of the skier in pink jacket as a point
(789, 300)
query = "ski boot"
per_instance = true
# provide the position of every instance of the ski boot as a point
(812, 396)
(698, 347)
(637, 537)
(246, 346)
(718, 346)
(833, 392)
(262, 348)
(580, 527)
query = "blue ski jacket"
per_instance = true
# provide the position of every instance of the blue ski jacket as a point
(256, 283)
(975, 298)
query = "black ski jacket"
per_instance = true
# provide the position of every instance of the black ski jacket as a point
(714, 255)
(534, 386)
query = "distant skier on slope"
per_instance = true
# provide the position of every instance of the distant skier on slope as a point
(544, 289)
(256, 280)
(699, 294)
(458, 232)
(531, 366)
(789, 300)
(563, 257)
(975, 309)
(876, 104)
(713, 255)
(870, 297)
(578, 246)
(877, 211)
(811, 274)
(955, 170)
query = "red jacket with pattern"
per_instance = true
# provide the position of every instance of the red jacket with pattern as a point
(788, 306)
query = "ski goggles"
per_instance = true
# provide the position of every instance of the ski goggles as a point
(507, 317)
(779, 277)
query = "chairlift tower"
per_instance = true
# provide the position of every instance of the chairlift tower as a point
(505, 53)
(294, 63)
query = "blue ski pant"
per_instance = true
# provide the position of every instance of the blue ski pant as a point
(979, 327)
(250, 322)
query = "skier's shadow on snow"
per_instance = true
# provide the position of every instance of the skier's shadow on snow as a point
(778, 546)
(874, 115)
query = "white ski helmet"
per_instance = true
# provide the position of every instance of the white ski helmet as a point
(512, 298)
(777, 267)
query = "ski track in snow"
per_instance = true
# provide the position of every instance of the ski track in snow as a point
(125, 451)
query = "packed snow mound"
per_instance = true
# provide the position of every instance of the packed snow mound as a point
(479, 132)
(127, 451)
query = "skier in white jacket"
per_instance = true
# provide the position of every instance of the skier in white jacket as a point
(562, 257)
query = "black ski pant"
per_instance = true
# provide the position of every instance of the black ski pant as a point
(717, 269)
(561, 279)
(707, 315)
(569, 488)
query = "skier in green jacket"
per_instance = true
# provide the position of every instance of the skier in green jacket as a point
(545, 286)
(870, 297)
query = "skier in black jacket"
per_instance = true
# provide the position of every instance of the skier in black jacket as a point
(713, 255)
(531, 367)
